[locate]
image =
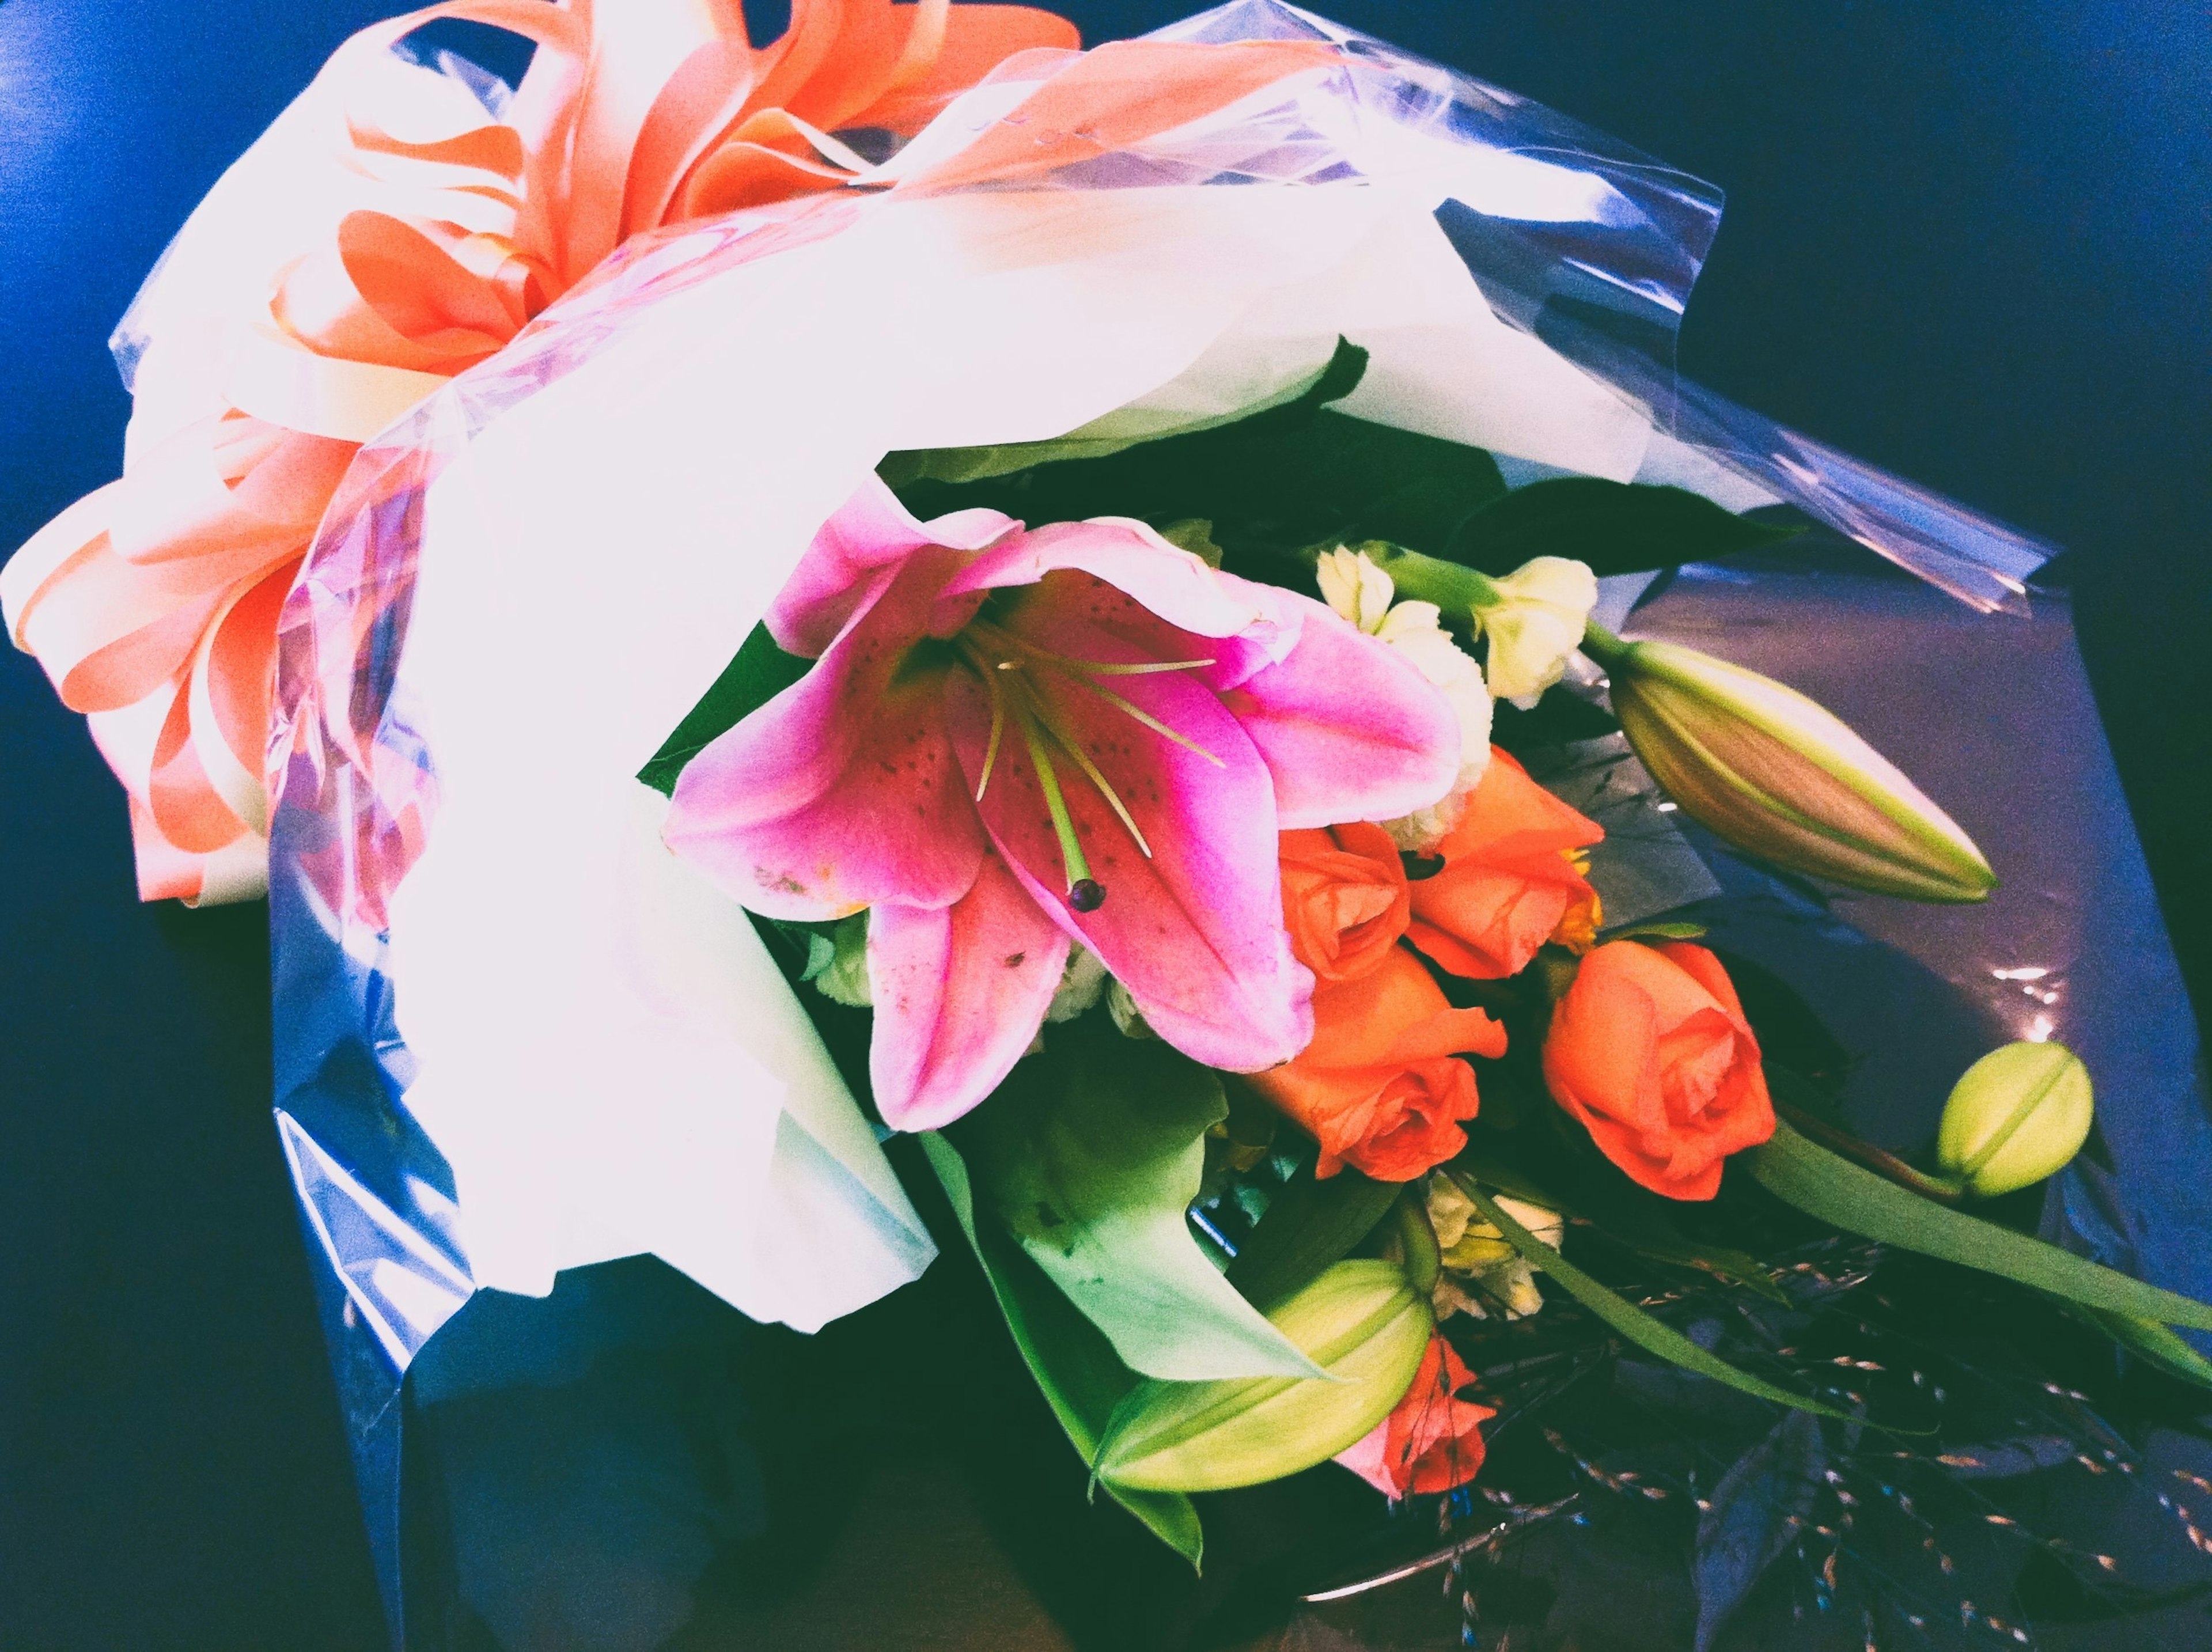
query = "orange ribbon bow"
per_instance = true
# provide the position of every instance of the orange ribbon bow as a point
(153, 601)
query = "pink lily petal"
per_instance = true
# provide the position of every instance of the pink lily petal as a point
(960, 992)
(1349, 728)
(843, 791)
(1195, 932)
(870, 531)
(1167, 589)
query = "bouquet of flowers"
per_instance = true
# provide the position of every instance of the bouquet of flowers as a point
(750, 604)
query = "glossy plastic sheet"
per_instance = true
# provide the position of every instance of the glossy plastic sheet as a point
(1518, 278)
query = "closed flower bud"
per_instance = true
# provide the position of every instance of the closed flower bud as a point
(2017, 1115)
(1774, 773)
(1533, 619)
(1361, 1321)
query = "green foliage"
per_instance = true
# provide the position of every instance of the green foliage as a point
(1309, 1224)
(1090, 1154)
(758, 673)
(1832, 1189)
(1082, 1378)
(1632, 1321)
(1616, 528)
(2153, 1342)
(1572, 1178)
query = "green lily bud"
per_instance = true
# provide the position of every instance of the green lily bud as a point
(2017, 1115)
(1362, 1321)
(1774, 773)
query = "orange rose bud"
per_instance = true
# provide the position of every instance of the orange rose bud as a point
(1650, 1051)
(1344, 899)
(1512, 879)
(1432, 1441)
(1378, 1087)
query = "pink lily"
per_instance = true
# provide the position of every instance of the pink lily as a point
(1014, 740)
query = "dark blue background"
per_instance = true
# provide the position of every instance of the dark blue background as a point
(1969, 241)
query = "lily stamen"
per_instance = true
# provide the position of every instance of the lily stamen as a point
(1041, 731)
(1072, 857)
(1107, 668)
(1067, 742)
(1130, 709)
(998, 733)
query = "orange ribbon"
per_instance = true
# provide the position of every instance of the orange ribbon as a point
(152, 602)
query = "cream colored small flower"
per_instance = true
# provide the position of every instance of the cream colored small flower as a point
(1415, 630)
(1351, 584)
(1481, 1269)
(1534, 624)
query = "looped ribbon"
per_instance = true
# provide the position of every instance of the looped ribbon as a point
(153, 602)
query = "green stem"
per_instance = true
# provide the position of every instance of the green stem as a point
(1417, 1237)
(1602, 646)
(1459, 592)
(1070, 851)
(1942, 1189)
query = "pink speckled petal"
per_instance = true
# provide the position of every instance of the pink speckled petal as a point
(842, 791)
(960, 992)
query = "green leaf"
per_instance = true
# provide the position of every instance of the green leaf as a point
(1623, 1214)
(1833, 1189)
(1638, 1231)
(1081, 1379)
(1091, 1153)
(1310, 1223)
(760, 672)
(2153, 1342)
(1281, 480)
(1102, 439)
(1616, 528)
(1507, 1178)
(1632, 1321)
(1657, 932)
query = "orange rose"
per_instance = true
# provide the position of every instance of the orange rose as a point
(1512, 879)
(1650, 1051)
(1432, 1441)
(1378, 1087)
(1344, 899)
